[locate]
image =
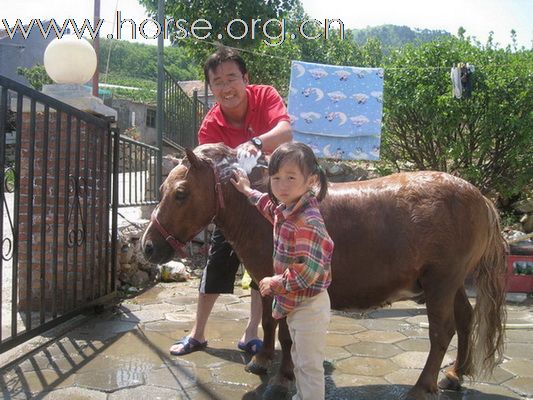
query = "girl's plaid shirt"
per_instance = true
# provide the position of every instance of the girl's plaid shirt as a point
(302, 251)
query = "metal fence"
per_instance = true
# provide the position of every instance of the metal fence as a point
(182, 115)
(58, 204)
(136, 173)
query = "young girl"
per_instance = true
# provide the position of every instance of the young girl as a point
(302, 257)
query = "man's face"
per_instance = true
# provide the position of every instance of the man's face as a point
(228, 85)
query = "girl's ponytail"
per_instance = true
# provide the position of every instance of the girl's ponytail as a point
(323, 182)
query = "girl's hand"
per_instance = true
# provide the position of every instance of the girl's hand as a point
(264, 286)
(241, 182)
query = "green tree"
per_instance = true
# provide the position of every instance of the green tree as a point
(271, 63)
(36, 76)
(219, 15)
(136, 60)
(485, 138)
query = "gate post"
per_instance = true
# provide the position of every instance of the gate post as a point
(65, 183)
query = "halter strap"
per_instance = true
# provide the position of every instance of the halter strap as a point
(175, 243)
(218, 191)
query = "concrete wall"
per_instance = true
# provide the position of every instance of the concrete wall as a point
(132, 114)
(20, 52)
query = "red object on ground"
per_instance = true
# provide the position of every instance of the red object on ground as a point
(520, 273)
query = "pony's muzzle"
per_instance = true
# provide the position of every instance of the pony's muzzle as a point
(148, 249)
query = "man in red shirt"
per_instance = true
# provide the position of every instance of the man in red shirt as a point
(253, 118)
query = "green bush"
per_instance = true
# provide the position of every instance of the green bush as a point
(486, 139)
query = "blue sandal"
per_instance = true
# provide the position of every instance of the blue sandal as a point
(189, 345)
(252, 347)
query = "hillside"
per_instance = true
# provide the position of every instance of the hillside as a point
(137, 60)
(135, 64)
(396, 36)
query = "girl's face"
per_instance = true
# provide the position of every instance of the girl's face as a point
(289, 183)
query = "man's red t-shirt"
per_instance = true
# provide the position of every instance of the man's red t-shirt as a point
(265, 110)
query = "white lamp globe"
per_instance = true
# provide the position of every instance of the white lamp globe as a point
(70, 60)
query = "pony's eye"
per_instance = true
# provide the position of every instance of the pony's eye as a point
(181, 195)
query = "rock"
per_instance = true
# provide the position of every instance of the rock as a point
(155, 275)
(344, 171)
(174, 271)
(524, 206)
(527, 223)
(140, 279)
(126, 252)
(144, 265)
(124, 278)
(198, 272)
(512, 234)
(126, 267)
(334, 170)
(169, 163)
(360, 174)
(516, 297)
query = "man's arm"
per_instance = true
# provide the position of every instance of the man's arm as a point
(281, 133)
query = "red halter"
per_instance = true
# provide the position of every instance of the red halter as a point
(175, 243)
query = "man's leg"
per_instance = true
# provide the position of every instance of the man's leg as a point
(256, 311)
(218, 277)
(206, 301)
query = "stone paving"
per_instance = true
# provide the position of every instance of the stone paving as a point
(123, 354)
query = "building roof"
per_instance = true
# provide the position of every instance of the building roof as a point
(190, 86)
(4, 35)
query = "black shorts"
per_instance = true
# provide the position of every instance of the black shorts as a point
(221, 268)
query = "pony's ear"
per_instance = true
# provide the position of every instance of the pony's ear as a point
(195, 162)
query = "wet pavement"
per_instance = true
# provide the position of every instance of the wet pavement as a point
(123, 354)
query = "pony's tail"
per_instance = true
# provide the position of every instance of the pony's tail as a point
(487, 335)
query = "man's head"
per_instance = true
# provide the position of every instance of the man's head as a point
(222, 55)
(225, 71)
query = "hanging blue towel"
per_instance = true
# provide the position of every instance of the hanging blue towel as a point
(336, 110)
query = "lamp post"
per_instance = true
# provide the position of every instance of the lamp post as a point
(70, 62)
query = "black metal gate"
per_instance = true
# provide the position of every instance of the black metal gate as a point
(182, 114)
(58, 213)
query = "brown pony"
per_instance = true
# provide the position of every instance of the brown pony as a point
(405, 236)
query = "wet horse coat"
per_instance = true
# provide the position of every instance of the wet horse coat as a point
(409, 235)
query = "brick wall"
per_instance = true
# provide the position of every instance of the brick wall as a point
(69, 267)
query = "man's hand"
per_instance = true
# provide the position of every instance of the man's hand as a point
(247, 156)
(247, 149)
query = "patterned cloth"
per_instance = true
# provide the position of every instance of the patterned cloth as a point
(302, 251)
(336, 110)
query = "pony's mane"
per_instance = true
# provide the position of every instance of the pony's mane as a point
(215, 151)
(225, 159)
(222, 157)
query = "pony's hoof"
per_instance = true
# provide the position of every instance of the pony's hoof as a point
(276, 392)
(256, 368)
(449, 383)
